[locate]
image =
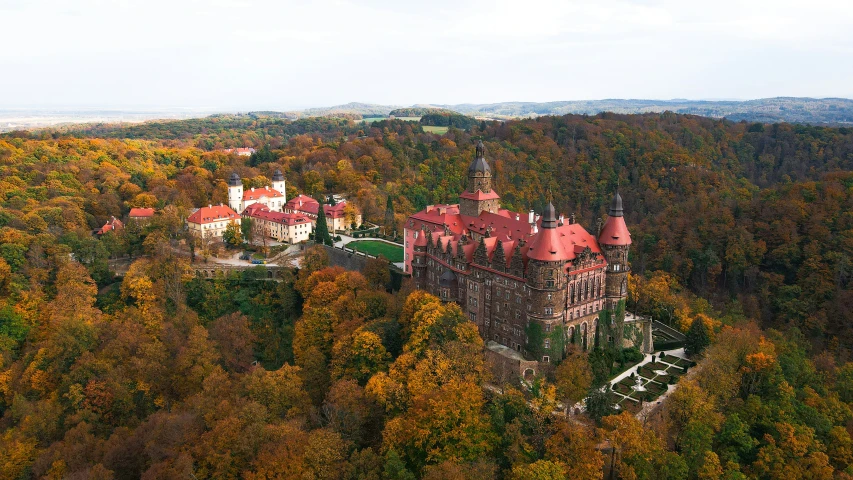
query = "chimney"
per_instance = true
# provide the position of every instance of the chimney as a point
(209, 206)
(531, 219)
(517, 217)
(560, 222)
(572, 219)
(253, 189)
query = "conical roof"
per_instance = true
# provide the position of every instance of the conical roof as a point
(615, 231)
(547, 246)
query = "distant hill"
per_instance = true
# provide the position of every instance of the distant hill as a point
(837, 111)
(352, 110)
(828, 111)
(419, 111)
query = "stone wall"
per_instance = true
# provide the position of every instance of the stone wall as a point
(352, 260)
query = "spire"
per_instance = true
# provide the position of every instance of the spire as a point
(616, 205)
(549, 217)
(614, 231)
(277, 176)
(479, 164)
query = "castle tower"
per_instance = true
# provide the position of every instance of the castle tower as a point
(235, 193)
(546, 278)
(615, 240)
(278, 183)
(478, 195)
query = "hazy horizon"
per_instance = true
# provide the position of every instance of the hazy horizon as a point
(239, 55)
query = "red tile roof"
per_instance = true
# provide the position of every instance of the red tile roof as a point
(263, 212)
(310, 206)
(479, 195)
(141, 213)
(615, 232)
(212, 214)
(303, 203)
(566, 241)
(112, 224)
(257, 193)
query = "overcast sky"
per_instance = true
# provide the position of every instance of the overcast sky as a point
(241, 54)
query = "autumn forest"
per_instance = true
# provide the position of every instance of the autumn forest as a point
(328, 374)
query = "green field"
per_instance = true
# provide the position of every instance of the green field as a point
(408, 119)
(438, 130)
(374, 119)
(394, 253)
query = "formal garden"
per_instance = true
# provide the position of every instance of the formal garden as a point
(392, 252)
(649, 381)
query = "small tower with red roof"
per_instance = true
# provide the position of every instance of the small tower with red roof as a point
(615, 240)
(546, 279)
(478, 195)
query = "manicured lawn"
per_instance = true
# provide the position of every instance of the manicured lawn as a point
(433, 129)
(394, 253)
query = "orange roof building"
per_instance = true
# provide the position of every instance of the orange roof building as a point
(273, 196)
(282, 227)
(514, 271)
(336, 217)
(211, 221)
(112, 224)
(140, 213)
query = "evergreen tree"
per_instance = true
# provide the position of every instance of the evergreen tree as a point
(332, 201)
(246, 229)
(321, 233)
(598, 403)
(390, 225)
(697, 338)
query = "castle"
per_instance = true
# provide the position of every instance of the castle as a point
(273, 197)
(532, 284)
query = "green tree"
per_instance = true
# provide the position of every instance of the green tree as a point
(246, 229)
(232, 235)
(321, 232)
(598, 403)
(390, 224)
(697, 338)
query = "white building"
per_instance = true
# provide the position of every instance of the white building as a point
(283, 227)
(273, 197)
(211, 221)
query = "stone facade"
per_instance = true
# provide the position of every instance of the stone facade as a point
(532, 284)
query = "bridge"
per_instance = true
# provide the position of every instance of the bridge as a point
(217, 270)
(206, 270)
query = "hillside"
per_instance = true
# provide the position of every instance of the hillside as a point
(741, 230)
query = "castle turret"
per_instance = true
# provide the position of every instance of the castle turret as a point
(546, 279)
(615, 240)
(278, 184)
(235, 193)
(478, 195)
